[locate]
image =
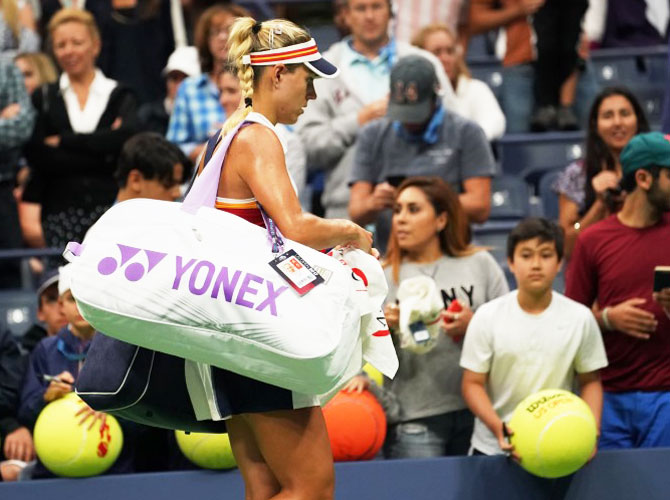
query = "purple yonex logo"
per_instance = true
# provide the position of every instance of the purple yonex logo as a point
(200, 277)
(134, 271)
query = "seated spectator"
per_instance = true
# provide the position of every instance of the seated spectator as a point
(530, 339)
(150, 167)
(197, 113)
(83, 120)
(231, 99)
(49, 313)
(613, 265)
(53, 368)
(155, 116)
(16, 442)
(429, 238)
(18, 30)
(16, 123)
(474, 99)
(588, 190)
(330, 125)
(418, 137)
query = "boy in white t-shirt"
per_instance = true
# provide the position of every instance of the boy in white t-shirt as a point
(530, 339)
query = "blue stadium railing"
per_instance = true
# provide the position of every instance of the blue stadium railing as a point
(611, 475)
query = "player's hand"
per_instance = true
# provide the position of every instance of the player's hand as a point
(383, 197)
(392, 315)
(88, 413)
(58, 389)
(455, 324)
(628, 318)
(19, 445)
(374, 110)
(663, 299)
(363, 239)
(358, 384)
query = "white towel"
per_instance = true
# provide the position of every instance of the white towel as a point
(419, 300)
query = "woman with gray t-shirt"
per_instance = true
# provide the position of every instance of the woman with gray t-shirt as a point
(429, 237)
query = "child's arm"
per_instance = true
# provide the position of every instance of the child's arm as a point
(474, 393)
(592, 393)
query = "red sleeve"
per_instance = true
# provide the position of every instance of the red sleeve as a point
(581, 280)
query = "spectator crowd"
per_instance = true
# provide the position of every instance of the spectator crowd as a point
(103, 102)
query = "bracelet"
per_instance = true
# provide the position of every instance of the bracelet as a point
(606, 320)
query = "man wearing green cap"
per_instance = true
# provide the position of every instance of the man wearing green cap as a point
(612, 267)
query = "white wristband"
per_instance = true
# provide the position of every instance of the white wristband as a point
(606, 320)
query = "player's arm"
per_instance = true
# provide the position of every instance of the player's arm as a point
(258, 152)
(591, 391)
(473, 387)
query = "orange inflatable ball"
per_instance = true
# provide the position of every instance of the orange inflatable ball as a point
(356, 426)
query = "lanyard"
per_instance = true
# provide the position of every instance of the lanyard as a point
(273, 231)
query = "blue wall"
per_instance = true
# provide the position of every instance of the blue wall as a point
(612, 475)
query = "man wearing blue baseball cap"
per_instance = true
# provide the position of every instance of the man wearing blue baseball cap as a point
(613, 267)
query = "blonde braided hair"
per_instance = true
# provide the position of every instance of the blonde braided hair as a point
(247, 36)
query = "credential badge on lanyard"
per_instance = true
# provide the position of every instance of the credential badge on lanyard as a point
(289, 265)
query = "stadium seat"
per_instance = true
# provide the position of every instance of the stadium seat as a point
(489, 70)
(631, 66)
(18, 310)
(548, 197)
(509, 198)
(530, 155)
(493, 234)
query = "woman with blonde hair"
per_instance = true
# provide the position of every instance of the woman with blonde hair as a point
(18, 30)
(37, 69)
(279, 437)
(83, 119)
(474, 98)
(429, 237)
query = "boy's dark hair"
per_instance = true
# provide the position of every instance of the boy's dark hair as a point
(628, 183)
(151, 154)
(536, 227)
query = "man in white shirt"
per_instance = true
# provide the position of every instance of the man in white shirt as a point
(330, 124)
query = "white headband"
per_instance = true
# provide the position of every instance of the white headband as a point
(298, 53)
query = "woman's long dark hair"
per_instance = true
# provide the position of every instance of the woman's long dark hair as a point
(454, 238)
(598, 155)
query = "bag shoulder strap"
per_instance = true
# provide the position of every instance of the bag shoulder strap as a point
(209, 151)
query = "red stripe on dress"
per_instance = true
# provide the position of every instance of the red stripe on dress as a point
(252, 215)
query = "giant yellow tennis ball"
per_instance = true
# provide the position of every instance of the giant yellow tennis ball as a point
(554, 433)
(209, 451)
(69, 449)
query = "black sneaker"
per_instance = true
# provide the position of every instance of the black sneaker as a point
(566, 119)
(543, 119)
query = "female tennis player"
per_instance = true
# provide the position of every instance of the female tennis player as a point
(278, 437)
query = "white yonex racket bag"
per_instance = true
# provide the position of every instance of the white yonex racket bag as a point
(195, 282)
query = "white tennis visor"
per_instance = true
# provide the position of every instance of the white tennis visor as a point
(306, 53)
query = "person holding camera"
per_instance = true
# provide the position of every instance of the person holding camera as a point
(613, 267)
(418, 136)
(588, 189)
